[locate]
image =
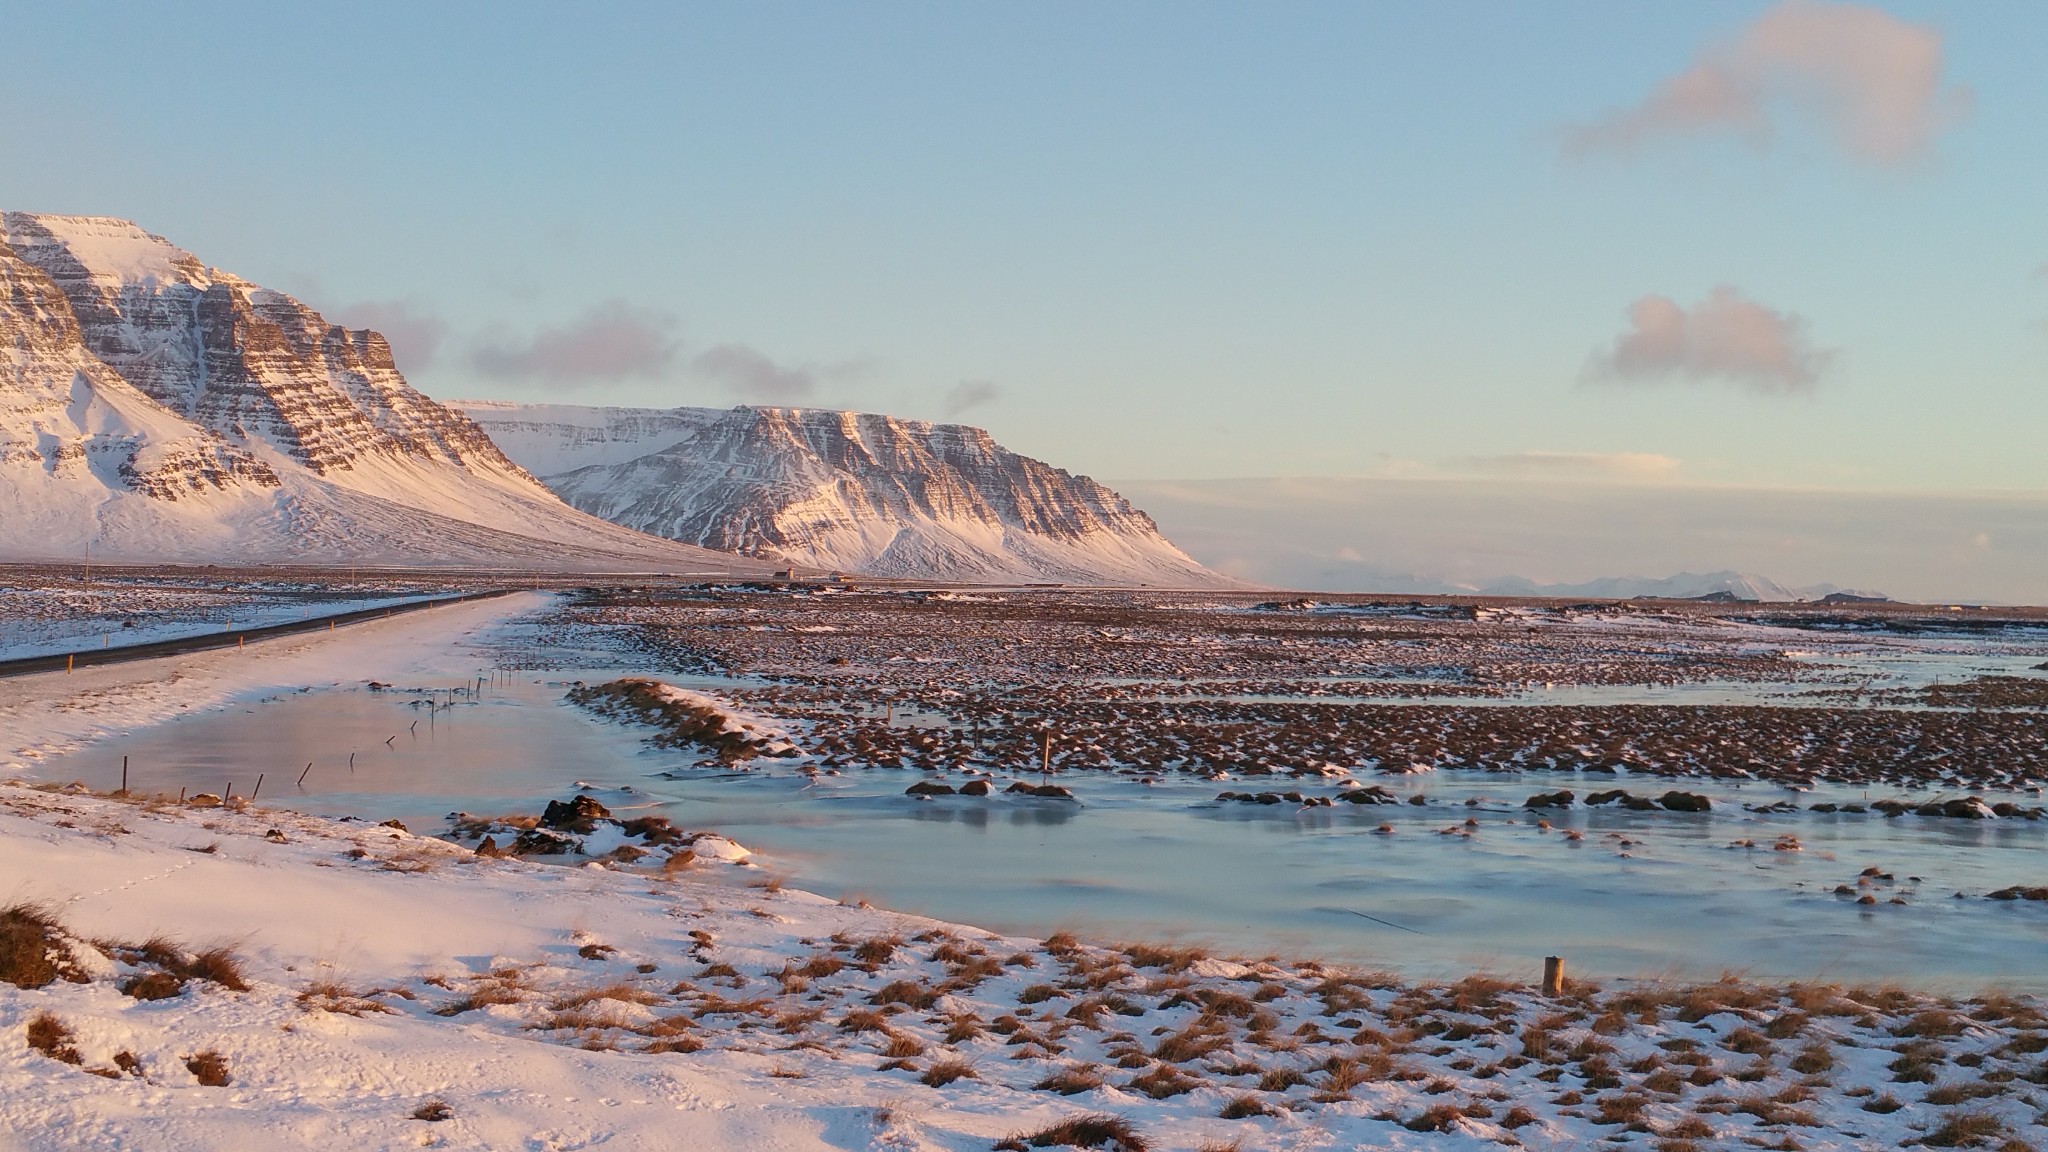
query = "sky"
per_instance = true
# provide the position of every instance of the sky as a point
(1625, 252)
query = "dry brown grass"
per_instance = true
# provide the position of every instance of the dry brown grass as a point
(1245, 1107)
(33, 949)
(328, 995)
(1964, 1130)
(1096, 1131)
(1072, 1080)
(1164, 1081)
(210, 1067)
(908, 993)
(944, 1072)
(51, 1037)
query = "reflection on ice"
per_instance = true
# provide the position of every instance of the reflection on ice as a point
(1453, 885)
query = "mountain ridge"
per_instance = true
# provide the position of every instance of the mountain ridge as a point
(153, 408)
(831, 489)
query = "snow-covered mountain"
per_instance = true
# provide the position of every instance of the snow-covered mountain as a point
(839, 490)
(1685, 585)
(156, 409)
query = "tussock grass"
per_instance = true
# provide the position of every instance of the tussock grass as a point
(1072, 1080)
(1097, 1131)
(908, 993)
(328, 995)
(944, 1072)
(33, 949)
(1164, 1081)
(50, 1036)
(1245, 1107)
(1964, 1130)
(210, 1067)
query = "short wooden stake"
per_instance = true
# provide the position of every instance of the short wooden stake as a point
(181, 795)
(68, 658)
(1553, 975)
(258, 787)
(124, 774)
(302, 775)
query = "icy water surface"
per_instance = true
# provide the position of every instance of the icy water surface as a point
(1132, 860)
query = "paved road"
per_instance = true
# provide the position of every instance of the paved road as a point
(87, 657)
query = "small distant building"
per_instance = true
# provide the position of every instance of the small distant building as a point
(785, 574)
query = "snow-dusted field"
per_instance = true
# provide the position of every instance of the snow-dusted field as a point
(388, 977)
(181, 975)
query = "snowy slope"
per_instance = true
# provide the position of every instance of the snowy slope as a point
(153, 408)
(842, 490)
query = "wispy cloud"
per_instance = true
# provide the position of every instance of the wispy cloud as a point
(1725, 338)
(415, 334)
(1873, 81)
(613, 341)
(1575, 465)
(755, 375)
(970, 394)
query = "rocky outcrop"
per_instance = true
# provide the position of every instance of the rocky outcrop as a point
(850, 491)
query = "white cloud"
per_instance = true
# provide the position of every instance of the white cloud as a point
(1871, 80)
(1726, 338)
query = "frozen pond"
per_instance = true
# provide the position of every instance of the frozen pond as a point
(1166, 860)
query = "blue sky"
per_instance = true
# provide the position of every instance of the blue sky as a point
(1167, 241)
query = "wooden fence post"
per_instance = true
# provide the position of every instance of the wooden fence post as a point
(1553, 975)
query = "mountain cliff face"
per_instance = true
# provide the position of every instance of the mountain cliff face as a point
(157, 409)
(840, 490)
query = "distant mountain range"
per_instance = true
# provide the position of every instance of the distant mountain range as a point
(1684, 586)
(155, 409)
(855, 492)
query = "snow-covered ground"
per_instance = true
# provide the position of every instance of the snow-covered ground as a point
(643, 1006)
(671, 995)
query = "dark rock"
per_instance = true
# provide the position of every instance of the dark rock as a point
(1371, 794)
(579, 815)
(489, 848)
(1267, 798)
(929, 788)
(1559, 799)
(391, 824)
(1418, 801)
(1051, 792)
(535, 842)
(1823, 806)
(2017, 892)
(976, 788)
(1686, 802)
(1608, 797)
